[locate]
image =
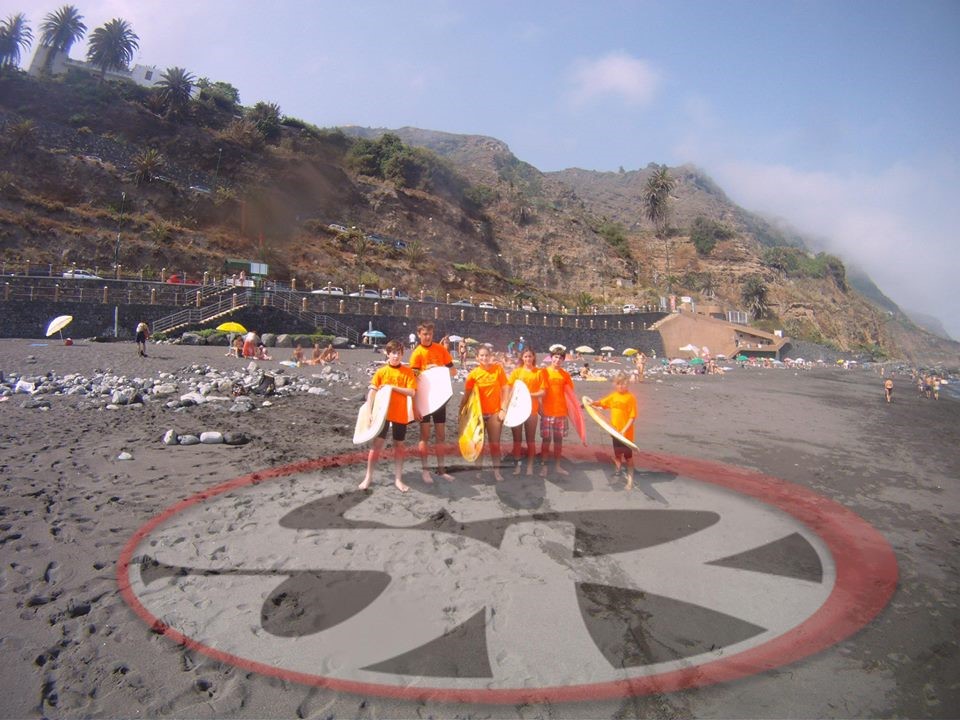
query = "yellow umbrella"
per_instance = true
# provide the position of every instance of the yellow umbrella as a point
(471, 341)
(58, 324)
(233, 327)
(629, 351)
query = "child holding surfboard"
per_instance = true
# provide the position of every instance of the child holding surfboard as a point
(489, 381)
(623, 413)
(553, 423)
(426, 355)
(532, 376)
(404, 384)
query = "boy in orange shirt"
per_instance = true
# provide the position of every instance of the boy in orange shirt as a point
(426, 355)
(404, 384)
(553, 423)
(531, 376)
(623, 413)
(490, 382)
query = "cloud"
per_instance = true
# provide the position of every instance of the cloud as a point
(896, 224)
(617, 75)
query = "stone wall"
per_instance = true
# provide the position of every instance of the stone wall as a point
(29, 319)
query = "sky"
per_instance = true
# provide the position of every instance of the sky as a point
(841, 118)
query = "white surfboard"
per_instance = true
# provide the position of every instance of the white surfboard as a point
(370, 420)
(433, 390)
(603, 423)
(519, 406)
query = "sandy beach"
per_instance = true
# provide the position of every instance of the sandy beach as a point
(79, 529)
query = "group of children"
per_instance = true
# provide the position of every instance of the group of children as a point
(548, 388)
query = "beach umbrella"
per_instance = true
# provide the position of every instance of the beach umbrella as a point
(630, 352)
(454, 338)
(690, 347)
(374, 334)
(584, 350)
(231, 327)
(557, 347)
(471, 341)
(721, 356)
(741, 358)
(679, 361)
(607, 348)
(58, 324)
(696, 361)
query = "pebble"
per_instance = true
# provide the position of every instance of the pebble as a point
(211, 437)
(124, 456)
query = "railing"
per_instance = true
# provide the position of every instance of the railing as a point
(200, 315)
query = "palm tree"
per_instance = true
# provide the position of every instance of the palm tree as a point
(145, 165)
(15, 37)
(59, 31)
(656, 207)
(112, 46)
(176, 86)
(754, 294)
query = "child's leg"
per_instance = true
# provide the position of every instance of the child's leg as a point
(424, 450)
(628, 461)
(557, 452)
(493, 429)
(398, 453)
(530, 429)
(517, 433)
(544, 453)
(372, 458)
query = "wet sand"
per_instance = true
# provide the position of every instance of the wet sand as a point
(72, 647)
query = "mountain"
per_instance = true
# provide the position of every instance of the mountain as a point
(458, 215)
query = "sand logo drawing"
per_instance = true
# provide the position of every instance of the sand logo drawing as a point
(712, 574)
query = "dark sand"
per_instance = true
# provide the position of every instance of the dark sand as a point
(71, 646)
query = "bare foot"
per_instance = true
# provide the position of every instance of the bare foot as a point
(445, 475)
(365, 485)
(516, 469)
(629, 485)
(401, 485)
(497, 476)
(426, 477)
(530, 469)
(543, 471)
(559, 470)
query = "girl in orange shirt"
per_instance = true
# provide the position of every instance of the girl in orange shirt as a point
(623, 413)
(490, 381)
(532, 377)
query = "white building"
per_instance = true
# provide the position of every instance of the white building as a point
(143, 75)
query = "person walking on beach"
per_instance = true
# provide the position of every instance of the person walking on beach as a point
(622, 405)
(143, 332)
(404, 384)
(533, 377)
(426, 355)
(553, 422)
(462, 352)
(490, 381)
(888, 389)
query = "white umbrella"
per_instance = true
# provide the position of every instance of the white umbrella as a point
(584, 350)
(679, 361)
(58, 324)
(690, 347)
(607, 348)
(454, 338)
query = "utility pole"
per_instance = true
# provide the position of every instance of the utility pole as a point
(116, 249)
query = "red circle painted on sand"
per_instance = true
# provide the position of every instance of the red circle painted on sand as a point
(866, 578)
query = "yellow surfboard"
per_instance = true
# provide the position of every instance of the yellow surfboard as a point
(602, 422)
(471, 428)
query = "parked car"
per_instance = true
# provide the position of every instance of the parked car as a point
(487, 305)
(630, 308)
(391, 294)
(373, 294)
(463, 303)
(528, 307)
(81, 275)
(329, 290)
(177, 279)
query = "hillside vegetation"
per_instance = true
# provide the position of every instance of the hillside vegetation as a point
(84, 161)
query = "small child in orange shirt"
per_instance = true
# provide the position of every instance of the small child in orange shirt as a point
(623, 413)
(490, 382)
(404, 384)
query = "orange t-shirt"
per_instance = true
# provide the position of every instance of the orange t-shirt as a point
(623, 409)
(534, 379)
(402, 377)
(555, 382)
(424, 356)
(489, 384)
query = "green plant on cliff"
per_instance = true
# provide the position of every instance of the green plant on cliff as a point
(754, 295)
